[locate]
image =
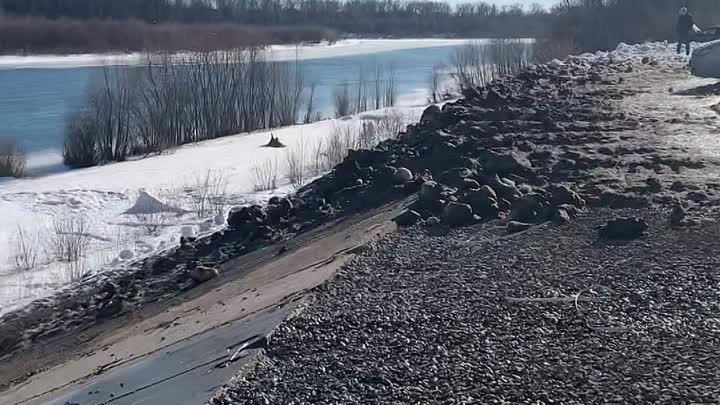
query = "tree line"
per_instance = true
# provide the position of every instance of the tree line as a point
(385, 17)
(603, 24)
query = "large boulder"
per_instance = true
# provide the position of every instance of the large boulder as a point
(458, 214)
(705, 61)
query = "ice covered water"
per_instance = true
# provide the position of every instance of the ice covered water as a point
(37, 92)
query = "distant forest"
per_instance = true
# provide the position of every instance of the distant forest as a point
(381, 17)
(38, 26)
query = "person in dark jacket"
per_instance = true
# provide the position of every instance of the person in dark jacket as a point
(685, 25)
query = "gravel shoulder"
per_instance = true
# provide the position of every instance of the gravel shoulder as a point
(551, 315)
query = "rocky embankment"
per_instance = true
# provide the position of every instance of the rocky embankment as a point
(542, 146)
(558, 251)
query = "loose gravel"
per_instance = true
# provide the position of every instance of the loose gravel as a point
(551, 315)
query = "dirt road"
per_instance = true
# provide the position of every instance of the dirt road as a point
(180, 352)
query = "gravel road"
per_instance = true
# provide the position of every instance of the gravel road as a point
(552, 315)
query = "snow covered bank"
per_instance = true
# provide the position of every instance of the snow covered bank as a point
(624, 52)
(275, 53)
(41, 214)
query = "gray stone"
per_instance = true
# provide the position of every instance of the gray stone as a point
(517, 226)
(407, 218)
(403, 176)
(456, 177)
(201, 274)
(458, 214)
(623, 228)
(483, 202)
(430, 191)
(562, 195)
(677, 215)
(529, 208)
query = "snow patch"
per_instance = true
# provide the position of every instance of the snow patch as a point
(147, 205)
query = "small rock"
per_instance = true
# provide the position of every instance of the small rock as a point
(432, 221)
(407, 218)
(504, 163)
(483, 202)
(457, 214)
(623, 228)
(677, 215)
(678, 186)
(430, 191)
(516, 226)
(110, 308)
(470, 184)
(403, 176)
(564, 195)
(432, 116)
(504, 188)
(201, 274)
(654, 185)
(456, 177)
(436, 228)
(697, 196)
(645, 60)
(529, 208)
(560, 216)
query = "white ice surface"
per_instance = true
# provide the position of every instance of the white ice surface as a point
(346, 47)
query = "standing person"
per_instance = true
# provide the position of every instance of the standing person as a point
(685, 25)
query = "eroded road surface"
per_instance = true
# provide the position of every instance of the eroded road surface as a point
(185, 349)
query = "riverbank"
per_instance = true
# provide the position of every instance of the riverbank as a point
(201, 180)
(496, 159)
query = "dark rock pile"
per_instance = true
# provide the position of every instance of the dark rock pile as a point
(513, 150)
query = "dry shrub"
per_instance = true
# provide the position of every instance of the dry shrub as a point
(264, 175)
(338, 143)
(27, 249)
(296, 160)
(70, 238)
(12, 158)
(477, 64)
(208, 193)
(79, 147)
